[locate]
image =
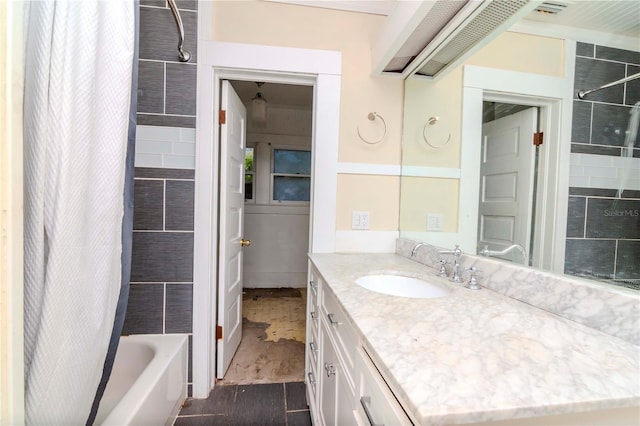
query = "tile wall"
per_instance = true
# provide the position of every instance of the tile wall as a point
(166, 87)
(161, 291)
(603, 228)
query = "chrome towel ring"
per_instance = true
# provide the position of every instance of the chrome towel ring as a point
(431, 122)
(372, 116)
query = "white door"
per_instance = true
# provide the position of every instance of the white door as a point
(506, 183)
(232, 151)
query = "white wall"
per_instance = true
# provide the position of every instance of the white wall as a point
(377, 189)
(279, 238)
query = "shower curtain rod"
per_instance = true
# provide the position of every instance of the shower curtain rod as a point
(583, 93)
(182, 54)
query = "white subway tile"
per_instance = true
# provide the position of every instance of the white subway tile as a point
(184, 148)
(576, 171)
(172, 161)
(632, 184)
(596, 160)
(148, 160)
(579, 181)
(158, 133)
(603, 182)
(187, 134)
(575, 159)
(606, 172)
(626, 173)
(144, 146)
(627, 162)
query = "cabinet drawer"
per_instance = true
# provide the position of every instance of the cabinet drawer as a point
(313, 346)
(376, 403)
(339, 328)
(314, 285)
(311, 377)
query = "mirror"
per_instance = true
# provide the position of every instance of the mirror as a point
(581, 211)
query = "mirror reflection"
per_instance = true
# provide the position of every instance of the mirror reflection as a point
(568, 201)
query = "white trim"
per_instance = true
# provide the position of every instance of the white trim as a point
(281, 60)
(544, 29)
(554, 95)
(432, 172)
(371, 7)
(369, 169)
(397, 170)
(366, 241)
(217, 61)
(12, 30)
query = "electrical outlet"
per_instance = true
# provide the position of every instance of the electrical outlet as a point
(434, 221)
(359, 220)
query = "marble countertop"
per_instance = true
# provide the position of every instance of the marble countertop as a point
(477, 356)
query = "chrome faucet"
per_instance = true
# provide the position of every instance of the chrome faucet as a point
(486, 252)
(457, 253)
(415, 249)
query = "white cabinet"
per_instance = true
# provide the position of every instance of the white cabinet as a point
(330, 350)
(343, 385)
(376, 403)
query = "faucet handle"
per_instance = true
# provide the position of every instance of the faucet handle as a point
(443, 269)
(472, 284)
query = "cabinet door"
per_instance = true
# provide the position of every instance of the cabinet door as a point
(328, 380)
(337, 397)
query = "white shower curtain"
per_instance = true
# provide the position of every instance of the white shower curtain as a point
(78, 74)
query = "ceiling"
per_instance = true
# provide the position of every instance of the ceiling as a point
(621, 17)
(618, 17)
(276, 93)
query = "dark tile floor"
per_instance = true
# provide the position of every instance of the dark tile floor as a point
(259, 404)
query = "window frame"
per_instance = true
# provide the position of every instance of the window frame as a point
(253, 172)
(273, 175)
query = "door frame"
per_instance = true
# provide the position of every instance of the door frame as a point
(553, 95)
(233, 61)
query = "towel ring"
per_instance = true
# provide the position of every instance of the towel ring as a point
(430, 122)
(372, 116)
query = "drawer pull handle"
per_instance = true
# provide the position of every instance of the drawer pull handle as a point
(365, 401)
(312, 284)
(314, 315)
(330, 369)
(333, 321)
(312, 346)
(312, 379)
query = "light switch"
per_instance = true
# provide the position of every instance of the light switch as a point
(434, 221)
(359, 220)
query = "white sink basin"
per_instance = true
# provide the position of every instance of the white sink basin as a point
(399, 285)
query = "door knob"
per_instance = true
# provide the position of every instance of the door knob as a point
(245, 243)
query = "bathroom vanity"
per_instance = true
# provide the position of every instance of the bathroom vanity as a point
(464, 357)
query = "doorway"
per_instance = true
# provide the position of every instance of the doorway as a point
(508, 175)
(218, 61)
(275, 219)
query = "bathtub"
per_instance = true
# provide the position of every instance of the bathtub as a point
(149, 381)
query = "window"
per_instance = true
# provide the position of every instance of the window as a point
(291, 176)
(249, 175)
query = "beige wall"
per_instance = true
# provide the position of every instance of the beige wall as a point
(276, 24)
(443, 98)
(11, 287)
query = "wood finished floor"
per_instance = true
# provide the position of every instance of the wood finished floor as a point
(265, 381)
